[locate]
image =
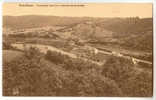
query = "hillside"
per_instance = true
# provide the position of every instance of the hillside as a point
(125, 32)
(31, 21)
(54, 74)
(126, 26)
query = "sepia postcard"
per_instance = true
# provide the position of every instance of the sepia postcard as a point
(77, 49)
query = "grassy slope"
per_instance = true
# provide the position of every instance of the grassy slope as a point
(9, 55)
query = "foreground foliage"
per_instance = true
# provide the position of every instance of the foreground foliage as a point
(33, 77)
(132, 79)
(55, 74)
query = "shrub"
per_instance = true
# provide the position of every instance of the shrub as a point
(70, 63)
(32, 53)
(80, 65)
(132, 80)
(139, 85)
(118, 68)
(7, 45)
(56, 57)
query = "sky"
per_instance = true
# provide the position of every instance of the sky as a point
(142, 10)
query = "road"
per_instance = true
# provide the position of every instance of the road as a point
(126, 57)
(45, 48)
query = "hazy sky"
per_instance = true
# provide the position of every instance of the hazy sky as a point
(90, 10)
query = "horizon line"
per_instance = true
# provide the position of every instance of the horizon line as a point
(75, 16)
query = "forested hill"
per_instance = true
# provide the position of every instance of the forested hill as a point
(128, 25)
(31, 21)
(122, 25)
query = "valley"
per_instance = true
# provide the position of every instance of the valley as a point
(61, 51)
